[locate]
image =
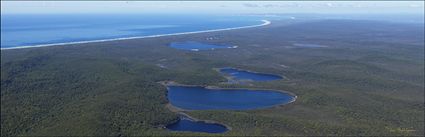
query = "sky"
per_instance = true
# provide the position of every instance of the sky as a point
(211, 7)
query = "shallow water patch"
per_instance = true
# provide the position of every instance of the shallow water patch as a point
(238, 74)
(197, 46)
(309, 45)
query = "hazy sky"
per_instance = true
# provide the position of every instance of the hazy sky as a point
(232, 7)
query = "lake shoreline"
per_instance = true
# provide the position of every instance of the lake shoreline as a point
(230, 78)
(173, 83)
(181, 111)
(265, 22)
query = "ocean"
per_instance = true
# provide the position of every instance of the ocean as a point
(21, 30)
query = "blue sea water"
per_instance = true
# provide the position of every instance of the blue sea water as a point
(238, 74)
(187, 124)
(36, 29)
(200, 98)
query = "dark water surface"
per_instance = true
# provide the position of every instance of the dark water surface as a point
(200, 98)
(187, 124)
(238, 74)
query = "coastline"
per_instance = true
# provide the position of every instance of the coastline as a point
(265, 22)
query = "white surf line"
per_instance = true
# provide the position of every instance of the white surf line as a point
(265, 22)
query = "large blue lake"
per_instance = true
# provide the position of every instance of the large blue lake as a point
(238, 74)
(187, 124)
(200, 98)
(26, 30)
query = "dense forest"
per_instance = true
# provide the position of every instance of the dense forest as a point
(368, 79)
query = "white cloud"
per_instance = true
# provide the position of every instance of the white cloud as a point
(212, 7)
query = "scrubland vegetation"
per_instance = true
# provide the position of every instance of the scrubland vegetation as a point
(369, 80)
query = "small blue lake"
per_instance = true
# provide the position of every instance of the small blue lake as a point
(309, 45)
(238, 74)
(201, 98)
(196, 46)
(187, 124)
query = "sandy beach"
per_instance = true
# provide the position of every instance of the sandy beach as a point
(265, 22)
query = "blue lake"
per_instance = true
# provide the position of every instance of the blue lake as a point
(200, 98)
(35, 29)
(196, 46)
(309, 45)
(187, 124)
(238, 74)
